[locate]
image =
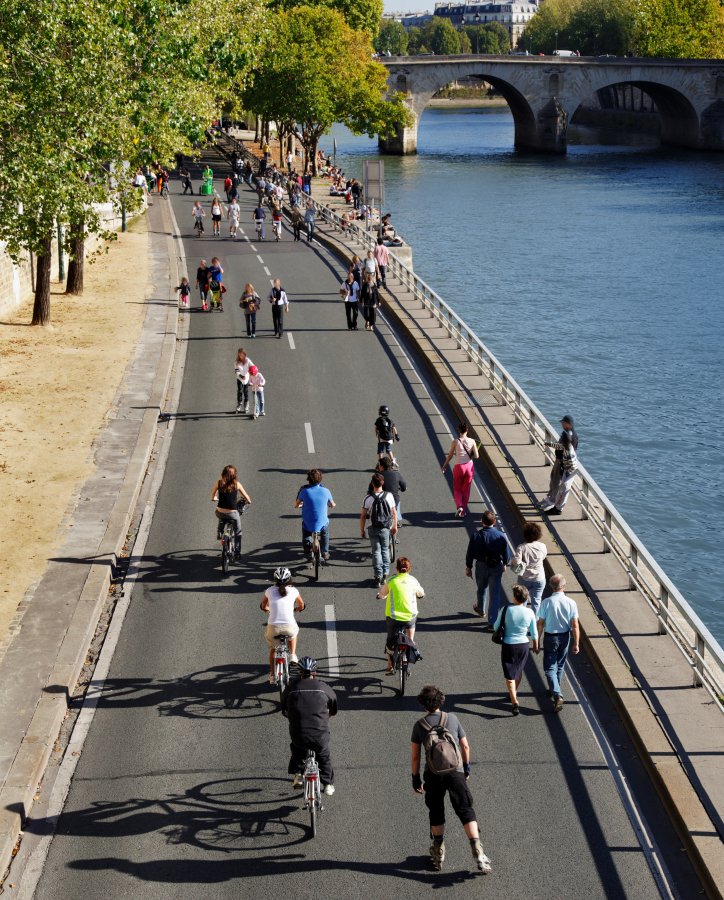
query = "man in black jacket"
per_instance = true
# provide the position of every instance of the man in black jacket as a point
(309, 703)
(489, 550)
(569, 436)
(394, 483)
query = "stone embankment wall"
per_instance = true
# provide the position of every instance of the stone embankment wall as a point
(16, 281)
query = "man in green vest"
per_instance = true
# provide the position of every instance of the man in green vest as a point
(401, 592)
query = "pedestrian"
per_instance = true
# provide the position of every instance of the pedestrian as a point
(184, 291)
(349, 292)
(569, 437)
(386, 433)
(569, 470)
(489, 549)
(242, 368)
(257, 382)
(380, 510)
(382, 257)
(370, 267)
(310, 215)
(517, 624)
(369, 295)
(280, 304)
(217, 211)
(297, 222)
(227, 187)
(202, 281)
(527, 563)
(233, 214)
(290, 162)
(394, 483)
(465, 450)
(250, 302)
(401, 592)
(308, 704)
(447, 770)
(186, 181)
(356, 268)
(558, 624)
(216, 288)
(160, 179)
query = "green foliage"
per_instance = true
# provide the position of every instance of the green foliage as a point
(392, 37)
(441, 36)
(361, 15)
(415, 42)
(686, 29)
(491, 37)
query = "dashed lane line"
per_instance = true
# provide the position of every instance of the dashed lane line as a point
(260, 259)
(332, 649)
(310, 439)
(292, 345)
(268, 273)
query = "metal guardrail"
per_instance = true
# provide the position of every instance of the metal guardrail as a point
(674, 614)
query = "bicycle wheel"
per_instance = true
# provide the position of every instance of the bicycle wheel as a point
(313, 815)
(393, 548)
(403, 676)
(317, 557)
(283, 680)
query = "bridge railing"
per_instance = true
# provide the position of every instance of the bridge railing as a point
(674, 614)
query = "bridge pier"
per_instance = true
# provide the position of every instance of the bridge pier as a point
(545, 132)
(402, 143)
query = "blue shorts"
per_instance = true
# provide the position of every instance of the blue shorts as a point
(384, 447)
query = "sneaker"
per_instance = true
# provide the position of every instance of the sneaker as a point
(272, 679)
(546, 505)
(293, 658)
(478, 611)
(558, 704)
(298, 781)
(238, 409)
(437, 854)
(328, 789)
(325, 556)
(481, 860)
(459, 512)
(262, 414)
(246, 408)
(553, 512)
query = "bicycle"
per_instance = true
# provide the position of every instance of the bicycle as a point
(400, 660)
(316, 554)
(199, 227)
(312, 790)
(227, 537)
(281, 665)
(259, 229)
(392, 547)
(164, 189)
(277, 226)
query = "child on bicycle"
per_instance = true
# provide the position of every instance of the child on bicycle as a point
(386, 432)
(198, 214)
(257, 382)
(184, 291)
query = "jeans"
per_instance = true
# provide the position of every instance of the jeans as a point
(555, 653)
(383, 276)
(535, 592)
(488, 580)
(235, 517)
(242, 394)
(380, 545)
(564, 488)
(310, 230)
(370, 314)
(278, 319)
(259, 403)
(351, 309)
(323, 540)
(250, 324)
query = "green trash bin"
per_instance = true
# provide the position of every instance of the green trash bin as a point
(207, 183)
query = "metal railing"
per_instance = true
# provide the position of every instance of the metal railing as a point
(674, 614)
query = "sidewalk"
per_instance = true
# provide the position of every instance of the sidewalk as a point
(52, 631)
(677, 729)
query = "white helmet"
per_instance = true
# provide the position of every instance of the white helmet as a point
(282, 575)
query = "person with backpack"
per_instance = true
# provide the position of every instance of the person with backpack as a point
(401, 592)
(379, 509)
(215, 288)
(386, 432)
(447, 770)
(394, 483)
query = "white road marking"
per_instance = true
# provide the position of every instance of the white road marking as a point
(291, 341)
(252, 247)
(260, 259)
(332, 649)
(268, 273)
(310, 439)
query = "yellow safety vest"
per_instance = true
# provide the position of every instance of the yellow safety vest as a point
(402, 597)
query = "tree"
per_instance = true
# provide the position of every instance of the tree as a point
(441, 36)
(325, 75)
(687, 29)
(360, 15)
(415, 42)
(392, 38)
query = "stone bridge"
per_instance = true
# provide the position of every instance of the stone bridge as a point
(544, 92)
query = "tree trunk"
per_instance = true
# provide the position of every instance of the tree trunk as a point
(314, 155)
(41, 306)
(74, 284)
(256, 128)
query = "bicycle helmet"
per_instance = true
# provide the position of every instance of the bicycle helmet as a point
(282, 575)
(307, 664)
(384, 411)
(253, 370)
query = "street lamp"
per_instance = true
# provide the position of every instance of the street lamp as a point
(476, 19)
(556, 42)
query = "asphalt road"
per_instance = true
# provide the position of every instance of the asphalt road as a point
(181, 790)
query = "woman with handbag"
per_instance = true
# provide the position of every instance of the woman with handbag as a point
(527, 563)
(513, 628)
(465, 450)
(250, 302)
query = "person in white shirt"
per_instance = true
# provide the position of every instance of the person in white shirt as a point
(465, 450)
(380, 510)
(349, 292)
(382, 258)
(558, 623)
(280, 304)
(281, 601)
(370, 267)
(241, 367)
(233, 214)
(527, 563)
(257, 382)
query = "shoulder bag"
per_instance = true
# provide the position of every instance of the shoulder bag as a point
(499, 633)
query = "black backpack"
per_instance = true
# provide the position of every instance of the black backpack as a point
(380, 512)
(385, 429)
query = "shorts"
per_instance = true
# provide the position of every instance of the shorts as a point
(454, 784)
(393, 626)
(216, 218)
(384, 447)
(514, 657)
(274, 631)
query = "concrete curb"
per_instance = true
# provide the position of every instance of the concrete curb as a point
(688, 814)
(67, 647)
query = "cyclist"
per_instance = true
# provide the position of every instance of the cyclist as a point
(277, 222)
(386, 432)
(315, 500)
(228, 492)
(259, 217)
(198, 213)
(309, 704)
(281, 601)
(401, 592)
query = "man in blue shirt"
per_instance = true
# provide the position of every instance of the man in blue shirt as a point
(558, 627)
(489, 549)
(314, 500)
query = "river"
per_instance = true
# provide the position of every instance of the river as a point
(597, 279)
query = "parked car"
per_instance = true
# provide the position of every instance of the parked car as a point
(565, 53)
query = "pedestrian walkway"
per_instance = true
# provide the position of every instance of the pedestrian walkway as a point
(181, 787)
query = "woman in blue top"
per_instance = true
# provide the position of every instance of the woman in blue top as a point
(519, 626)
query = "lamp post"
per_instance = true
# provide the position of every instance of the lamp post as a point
(476, 19)
(556, 42)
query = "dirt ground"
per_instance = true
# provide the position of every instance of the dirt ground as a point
(56, 387)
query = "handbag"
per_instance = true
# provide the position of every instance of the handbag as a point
(499, 633)
(518, 568)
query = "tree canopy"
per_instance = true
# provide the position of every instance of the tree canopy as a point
(392, 37)
(360, 15)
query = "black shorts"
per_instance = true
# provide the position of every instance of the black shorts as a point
(436, 786)
(216, 218)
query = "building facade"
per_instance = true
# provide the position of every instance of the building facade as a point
(513, 16)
